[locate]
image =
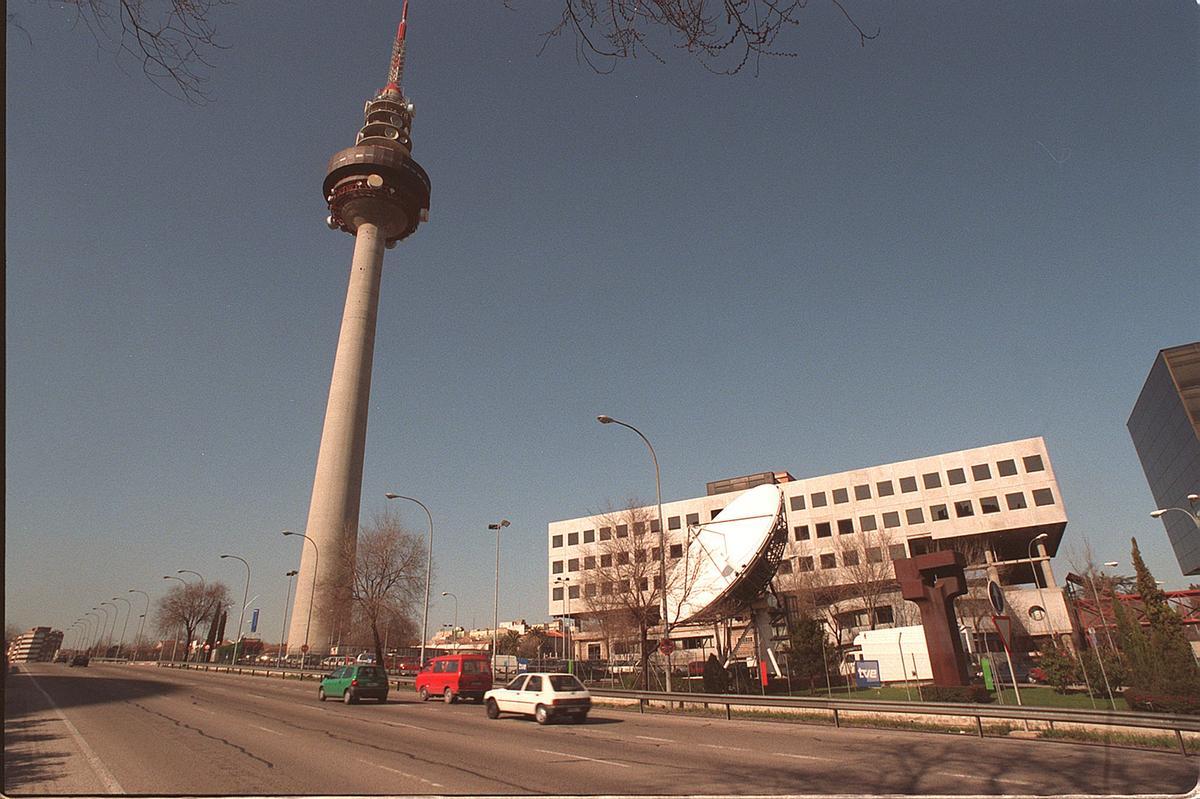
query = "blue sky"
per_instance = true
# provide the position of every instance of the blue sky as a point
(979, 227)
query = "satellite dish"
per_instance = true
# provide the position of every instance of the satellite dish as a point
(729, 560)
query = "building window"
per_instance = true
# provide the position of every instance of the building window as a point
(964, 508)
(622, 586)
(1007, 468)
(656, 554)
(589, 561)
(640, 529)
(639, 556)
(1042, 496)
(796, 502)
(572, 539)
(676, 551)
(693, 518)
(556, 567)
(785, 567)
(981, 471)
(589, 536)
(622, 531)
(672, 523)
(850, 557)
(829, 561)
(891, 519)
(932, 480)
(874, 555)
(622, 558)
(607, 588)
(908, 484)
(823, 530)
(573, 591)
(804, 563)
(715, 512)
(840, 495)
(573, 565)
(884, 615)
(1016, 500)
(556, 541)
(606, 561)
(956, 477)
(884, 488)
(914, 516)
(1033, 463)
(845, 526)
(557, 594)
(643, 584)
(589, 590)
(818, 499)
(938, 513)
(895, 551)
(920, 546)
(605, 533)
(989, 504)
(862, 492)
(801, 532)
(866, 522)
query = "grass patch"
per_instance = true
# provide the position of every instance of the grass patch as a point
(1114, 738)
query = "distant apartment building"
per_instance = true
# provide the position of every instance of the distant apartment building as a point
(38, 644)
(1000, 505)
(1165, 428)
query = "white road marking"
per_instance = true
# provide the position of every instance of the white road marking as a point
(410, 726)
(581, 757)
(204, 710)
(402, 773)
(652, 738)
(798, 757)
(729, 748)
(264, 729)
(980, 776)
(260, 696)
(102, 772)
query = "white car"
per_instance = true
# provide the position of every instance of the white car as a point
(545, 696)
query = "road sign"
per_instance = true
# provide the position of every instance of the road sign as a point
(304, 648)
(866, 674)
(666, 646)
(996, 596)
(1003, 629)
(254, 621)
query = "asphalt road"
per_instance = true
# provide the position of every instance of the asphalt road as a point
(144, 730)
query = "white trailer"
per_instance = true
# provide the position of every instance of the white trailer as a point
(900, 651)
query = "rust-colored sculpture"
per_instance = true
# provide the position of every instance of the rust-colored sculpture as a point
(932, 581)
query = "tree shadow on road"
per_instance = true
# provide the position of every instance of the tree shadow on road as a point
(22, 698)
(25, 763)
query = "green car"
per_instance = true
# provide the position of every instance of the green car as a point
(352, 683)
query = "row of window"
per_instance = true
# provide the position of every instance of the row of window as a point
(605, 588)
(937, 513)
(607, 560)
(850, 557)
(908, 485)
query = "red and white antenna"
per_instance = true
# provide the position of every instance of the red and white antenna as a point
(396, 69)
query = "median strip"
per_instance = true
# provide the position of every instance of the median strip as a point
(581, 757)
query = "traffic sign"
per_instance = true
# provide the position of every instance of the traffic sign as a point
(666, 646)
(1003, 629)
(304, 648)
(996, 596)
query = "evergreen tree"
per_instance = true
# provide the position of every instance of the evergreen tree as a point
(716, 678)
(806, 659)
(1135, 647)
(1061, 670)
(1176, 672)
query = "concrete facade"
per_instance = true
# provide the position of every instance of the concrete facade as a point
(1165, 428)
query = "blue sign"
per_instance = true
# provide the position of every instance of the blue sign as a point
(866, 674)
(254, 621)
(522, 665)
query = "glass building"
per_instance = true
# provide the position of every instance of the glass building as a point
(1165, 427)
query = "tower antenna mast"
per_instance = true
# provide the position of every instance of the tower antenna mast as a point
(396, 68)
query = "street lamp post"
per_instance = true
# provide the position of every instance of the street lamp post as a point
(452, 594)
(107, 634)
(567, 650)
(311, 593)
(187, 654)
(1192, 514)
(283, 633)
(662, 541)
(93, 633)
(1107, 634)
(203, 593)
(124, 627)
(428, 572)
(245, 600)
(137, 649)
(498, 526)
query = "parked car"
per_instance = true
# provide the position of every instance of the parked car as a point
(455, 676)
(365, 657)
(79, 660)
(61, 657)
(542, 695)
(351, 683)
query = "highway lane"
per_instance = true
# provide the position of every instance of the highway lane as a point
(167, 731)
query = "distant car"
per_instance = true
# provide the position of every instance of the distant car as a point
(79, 660)
(365, 657)
(61, 657)
(544, 696)
(455, 676)
(352, 683)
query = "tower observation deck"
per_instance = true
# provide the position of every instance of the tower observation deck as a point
(379, 194)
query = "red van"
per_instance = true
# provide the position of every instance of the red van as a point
(452, 676)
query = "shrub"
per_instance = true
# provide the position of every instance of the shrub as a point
(1162, 703)
(962, 694)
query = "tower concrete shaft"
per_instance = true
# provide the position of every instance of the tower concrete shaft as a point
(379, 194)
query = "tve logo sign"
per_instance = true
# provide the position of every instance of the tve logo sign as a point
(866, 673)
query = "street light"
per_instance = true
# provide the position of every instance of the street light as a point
(498, 526)
(311, 593)
(662, 541)
(1192, 514)
(92, 637)
(137, 649)
(567, 651)
(451, 594)
(428, 571)
(283, 633)
(242, 615)
(107, 634)
(125, 626)
(1099, 608)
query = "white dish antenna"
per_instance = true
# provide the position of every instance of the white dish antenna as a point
(730, 560)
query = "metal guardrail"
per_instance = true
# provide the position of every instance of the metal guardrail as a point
(836, 707)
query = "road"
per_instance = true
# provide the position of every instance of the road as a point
(140, 729)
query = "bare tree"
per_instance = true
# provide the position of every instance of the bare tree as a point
(389, 574)
(867, 569)
(188, 607)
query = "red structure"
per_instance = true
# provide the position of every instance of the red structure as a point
(932, 581)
